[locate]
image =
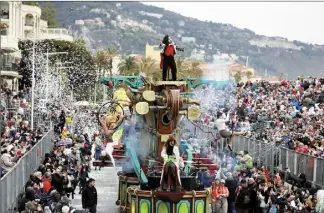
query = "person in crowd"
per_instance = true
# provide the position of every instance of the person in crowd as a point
(220, 194)
(7, 161)
(243, 198)
(231, 184)
(90, 197)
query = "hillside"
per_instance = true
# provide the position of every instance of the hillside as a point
(130, 25)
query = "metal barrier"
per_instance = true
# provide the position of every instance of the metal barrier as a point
(270, 155)
(12, 184)
(273, 157)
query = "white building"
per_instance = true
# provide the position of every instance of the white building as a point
(19, 22)
(188, 39)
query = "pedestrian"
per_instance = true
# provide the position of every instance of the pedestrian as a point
(221, 205)
(90, 197)
(243, 198)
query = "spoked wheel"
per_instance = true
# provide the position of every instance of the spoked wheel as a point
(111, 107)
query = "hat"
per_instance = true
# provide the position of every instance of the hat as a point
(222, 181)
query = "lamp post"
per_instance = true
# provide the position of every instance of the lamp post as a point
(33, 78)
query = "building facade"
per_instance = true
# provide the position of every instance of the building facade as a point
(20, 22)
(153, 52)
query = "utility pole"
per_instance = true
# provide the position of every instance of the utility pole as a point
(47, 73)
(33, 79)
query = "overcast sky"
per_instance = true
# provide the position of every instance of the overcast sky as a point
(303, 21)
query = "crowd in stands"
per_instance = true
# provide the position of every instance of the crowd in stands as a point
(288, 113)
(16, 136)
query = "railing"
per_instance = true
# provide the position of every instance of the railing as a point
(274, 156)
(270, 155)
(12, 183)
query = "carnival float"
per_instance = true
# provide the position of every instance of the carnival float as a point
(160, 171)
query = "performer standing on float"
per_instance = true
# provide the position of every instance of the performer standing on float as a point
(169, 49)
(171, 173)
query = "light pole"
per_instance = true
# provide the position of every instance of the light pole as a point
(33, 78)
(97, 79)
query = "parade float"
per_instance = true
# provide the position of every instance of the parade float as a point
(154, 182)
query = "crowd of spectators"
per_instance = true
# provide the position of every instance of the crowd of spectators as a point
(51, 188)
(238, 186)
(288, 113)
(16, 136)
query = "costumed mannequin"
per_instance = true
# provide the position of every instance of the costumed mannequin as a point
(167, 54)
(170, 178)
(108, 125)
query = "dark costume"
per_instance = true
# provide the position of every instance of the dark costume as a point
(170, 179)
(168, 51)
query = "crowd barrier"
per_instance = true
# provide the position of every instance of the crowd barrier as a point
(275, 156)
(12, 183)
(270, 155)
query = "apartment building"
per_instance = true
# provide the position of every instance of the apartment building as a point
(20, 22)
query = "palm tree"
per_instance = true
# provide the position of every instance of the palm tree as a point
(111, 53)
(128, 66)
(104, 60)
(182, 67)
(194, 70)
(150, 67)
(249, 74)
(238, 77)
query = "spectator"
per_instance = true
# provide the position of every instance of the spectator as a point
(89, 197)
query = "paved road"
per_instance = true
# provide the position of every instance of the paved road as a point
(107, 189)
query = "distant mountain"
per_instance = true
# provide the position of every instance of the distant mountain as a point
(130, 25)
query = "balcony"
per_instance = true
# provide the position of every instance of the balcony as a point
(8, 43)
(4, 18)
(8, 65)
(56, 34)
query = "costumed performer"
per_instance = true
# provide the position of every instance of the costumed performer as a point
(223, 130)
(170, 172)
(168, 51)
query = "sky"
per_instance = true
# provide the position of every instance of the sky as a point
(302, 21)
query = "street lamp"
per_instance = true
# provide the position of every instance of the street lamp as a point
(33, 78)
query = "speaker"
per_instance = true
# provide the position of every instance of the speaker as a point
(188, 183)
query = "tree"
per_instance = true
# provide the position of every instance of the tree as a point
(128, 66)
(150, 67)
(238, 77)
(81, 74)
(49, 15)
(31, 3)
(282, 76)
(249, 74)
(194, 70)
(104, 60)
(182, 67)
